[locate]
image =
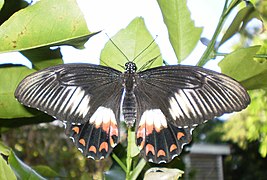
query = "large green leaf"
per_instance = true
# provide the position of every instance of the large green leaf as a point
(183, 34)
(241, 66)
(130, 42)
(5, 170)
(44, 23)
(9, 106)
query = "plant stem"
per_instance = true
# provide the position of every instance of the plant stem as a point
(206, 55)
(129, 158)
(137, 170)
(121, 164)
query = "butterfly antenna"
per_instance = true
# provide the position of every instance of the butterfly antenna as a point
(145, 49)
(148, 63)
(117, 48)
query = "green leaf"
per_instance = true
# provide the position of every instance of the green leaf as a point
(43, 57)
(240, 21)
(131, 41)
(42, 24)
(241, 66)
(5, 170)
(9, 106)
(183, 34)
(45, 171)
(22, 170)
(1, 3)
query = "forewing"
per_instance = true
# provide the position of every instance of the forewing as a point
(172, 100)
(85, 97)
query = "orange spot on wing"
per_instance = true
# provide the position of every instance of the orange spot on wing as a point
(82, 141)
(103, 145)
(180, 135)
(161, 153)
(76, 129)
(150, 148)
(173, 147)
(92, 149)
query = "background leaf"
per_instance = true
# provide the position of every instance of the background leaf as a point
(9, 106)
(183, 34)
(131, 41)
(22, 170)
(240, 21)
(241, 66)
(28, 28)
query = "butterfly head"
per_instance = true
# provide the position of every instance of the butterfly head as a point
(130, 67)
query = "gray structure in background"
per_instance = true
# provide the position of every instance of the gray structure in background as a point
(205, 161)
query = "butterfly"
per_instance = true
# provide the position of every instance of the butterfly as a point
(164, 104)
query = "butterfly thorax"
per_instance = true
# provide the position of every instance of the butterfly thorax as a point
(129, 100)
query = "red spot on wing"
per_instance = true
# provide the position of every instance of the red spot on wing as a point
(82, 141)
(104, 145)
(149, 129)
(173, 147)
(180, 135)
(150, 148)
(161, 153)
(76, 129)
(114, 129)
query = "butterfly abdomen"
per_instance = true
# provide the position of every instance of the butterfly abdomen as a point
(129, 108)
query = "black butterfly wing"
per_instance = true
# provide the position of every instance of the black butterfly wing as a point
(173, 100)
(85, 97)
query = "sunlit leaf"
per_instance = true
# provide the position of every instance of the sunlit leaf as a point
(241, 66)
(240, 21)
(22, 170)
(42, 24)
(183, 34)
(130, 42)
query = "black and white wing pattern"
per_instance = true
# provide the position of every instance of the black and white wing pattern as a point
(85, 97)
(173, 100)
